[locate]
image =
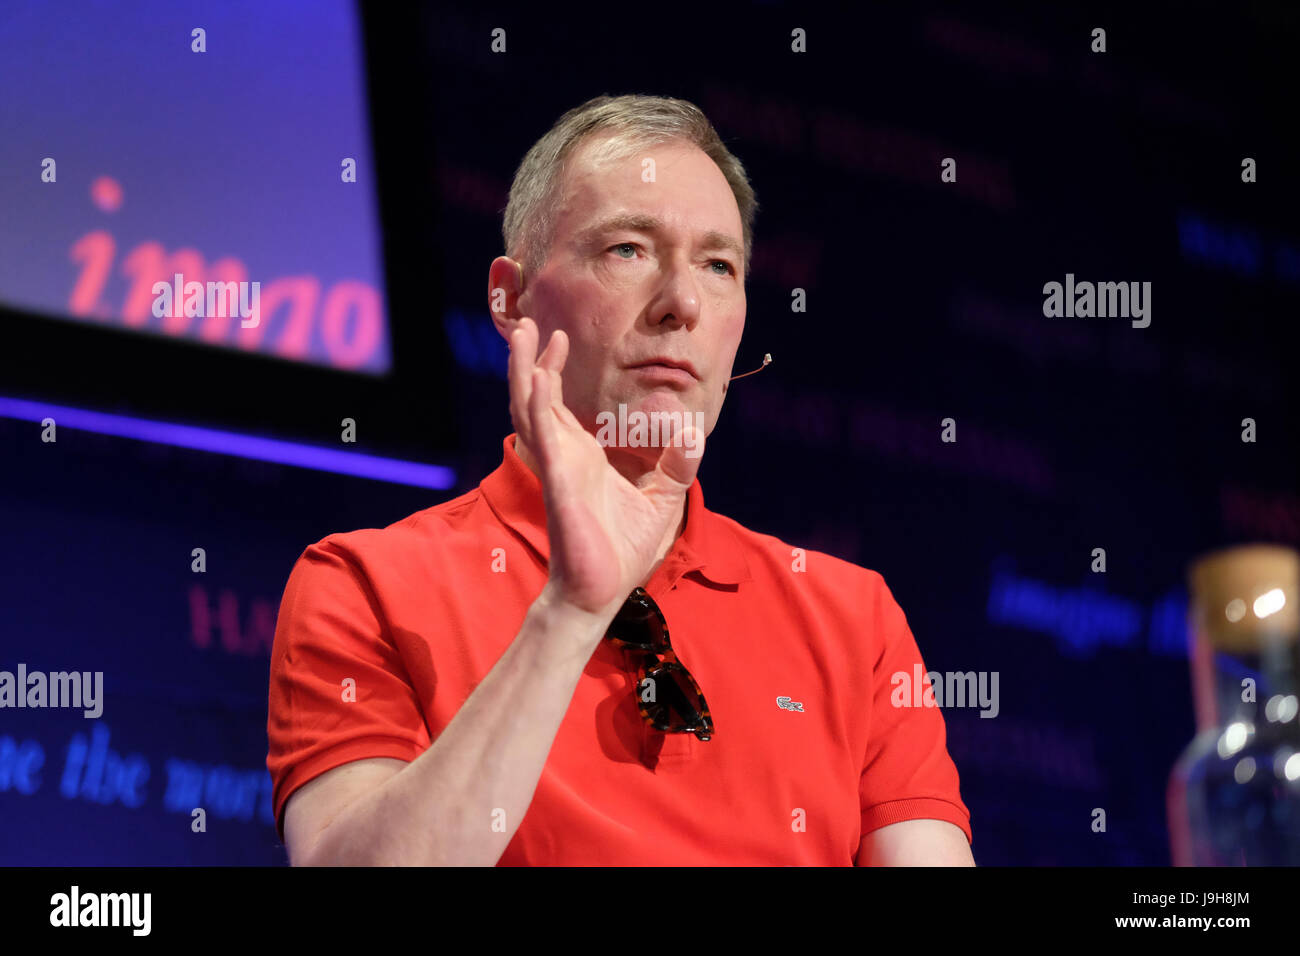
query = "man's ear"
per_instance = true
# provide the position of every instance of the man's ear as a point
(505, 286)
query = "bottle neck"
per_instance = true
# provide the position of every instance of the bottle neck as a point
(1244, 683)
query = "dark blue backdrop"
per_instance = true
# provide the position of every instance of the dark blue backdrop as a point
(924, 303)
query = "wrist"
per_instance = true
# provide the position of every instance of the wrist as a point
(557, 616)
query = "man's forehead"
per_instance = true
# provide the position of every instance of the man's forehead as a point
(604, 162)
(596, 202)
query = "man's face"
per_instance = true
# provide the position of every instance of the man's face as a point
(666, 283)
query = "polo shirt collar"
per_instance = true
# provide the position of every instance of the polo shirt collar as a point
(705, 545)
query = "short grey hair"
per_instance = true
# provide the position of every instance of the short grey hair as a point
(636, 122)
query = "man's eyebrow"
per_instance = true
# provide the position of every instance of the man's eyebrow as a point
(641, 222)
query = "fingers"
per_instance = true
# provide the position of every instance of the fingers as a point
(538, 414)
(557, 351)
(553, 359)
(541, 417)
(523, 353)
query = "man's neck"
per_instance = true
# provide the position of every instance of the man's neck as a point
(634, 469)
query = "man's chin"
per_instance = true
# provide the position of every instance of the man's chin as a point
(665, 401)
(643, 426)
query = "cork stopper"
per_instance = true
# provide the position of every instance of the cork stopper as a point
(1247, 597)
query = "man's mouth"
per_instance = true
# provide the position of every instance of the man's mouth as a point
(670, 368)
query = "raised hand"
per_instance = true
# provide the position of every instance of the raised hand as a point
(604, 531)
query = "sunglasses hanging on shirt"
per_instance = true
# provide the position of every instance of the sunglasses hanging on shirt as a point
(677, 704)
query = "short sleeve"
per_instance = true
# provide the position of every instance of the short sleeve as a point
(907, 773)
(338, 688)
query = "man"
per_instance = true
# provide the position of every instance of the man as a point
(466, 686)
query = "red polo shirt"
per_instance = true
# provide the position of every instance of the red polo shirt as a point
(418, 613)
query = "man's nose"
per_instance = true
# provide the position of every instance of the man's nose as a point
(679, 300)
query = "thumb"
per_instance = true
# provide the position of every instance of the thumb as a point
(680, 461)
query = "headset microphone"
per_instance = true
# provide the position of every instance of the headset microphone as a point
(767, 360)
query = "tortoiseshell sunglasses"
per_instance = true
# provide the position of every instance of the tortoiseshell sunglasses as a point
(678, 706)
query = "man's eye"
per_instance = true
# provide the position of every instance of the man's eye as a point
(624, 245)
(730, 268)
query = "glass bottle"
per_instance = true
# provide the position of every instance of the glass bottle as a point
(1234, 793)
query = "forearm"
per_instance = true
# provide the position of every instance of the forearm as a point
(440, 809)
